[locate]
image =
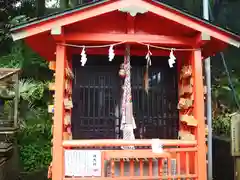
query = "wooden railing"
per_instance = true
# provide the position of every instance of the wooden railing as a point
(178, 162)
(121, 142)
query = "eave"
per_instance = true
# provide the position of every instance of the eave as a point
(218, 37)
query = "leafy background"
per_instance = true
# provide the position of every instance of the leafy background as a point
(34, 138)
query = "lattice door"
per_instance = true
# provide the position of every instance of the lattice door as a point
(97, 96)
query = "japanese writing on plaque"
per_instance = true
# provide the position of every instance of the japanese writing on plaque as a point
(83, 163)
(94, 162)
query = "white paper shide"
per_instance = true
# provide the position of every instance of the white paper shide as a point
(82, 163)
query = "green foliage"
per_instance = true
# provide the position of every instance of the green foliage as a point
(34, 138)
(32, 97)
(224, 103)
(13, 59)
(222, 124)
(35, 157)
(21, 56)
(34, 141)
(31, 90)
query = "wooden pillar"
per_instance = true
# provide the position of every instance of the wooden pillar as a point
(57, 163)
(198, 112)
(180, 63)
(185, 130)
(16, 99)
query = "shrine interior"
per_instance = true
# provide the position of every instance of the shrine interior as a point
(97, 92)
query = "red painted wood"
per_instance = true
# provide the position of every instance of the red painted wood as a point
(186, 21)
(147, 23)
(130, 24)
(57, 163)
(44, 45)
(76, 37)
(198, 112)
(107, 20)
(74, 17)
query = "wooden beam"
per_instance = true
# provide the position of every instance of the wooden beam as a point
(78, 37)
(56, 30)
(212, 47)
(123, 142)
(130, 24)
(110, 6)
(57, 164)
(198, 111)
(205, 37)
(16, 99)
(186, 21)
(57, 33)
(201, 39)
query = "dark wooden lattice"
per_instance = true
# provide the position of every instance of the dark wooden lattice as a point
(97, 96)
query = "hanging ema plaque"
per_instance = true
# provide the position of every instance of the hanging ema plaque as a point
(82, 163)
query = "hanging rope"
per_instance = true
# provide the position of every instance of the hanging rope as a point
(96, 46)
(149, 63)
(123, 42)
(167, 48)
(128, 121)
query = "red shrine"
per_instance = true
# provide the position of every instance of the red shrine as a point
(166, 96)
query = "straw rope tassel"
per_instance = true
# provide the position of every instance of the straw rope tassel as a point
(128, 121)
(145, 80)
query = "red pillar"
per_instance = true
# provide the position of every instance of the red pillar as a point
(57, 166)
(199, 113)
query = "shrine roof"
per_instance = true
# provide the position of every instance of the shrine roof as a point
(170, 16)
(94, 3)
(57, 14)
